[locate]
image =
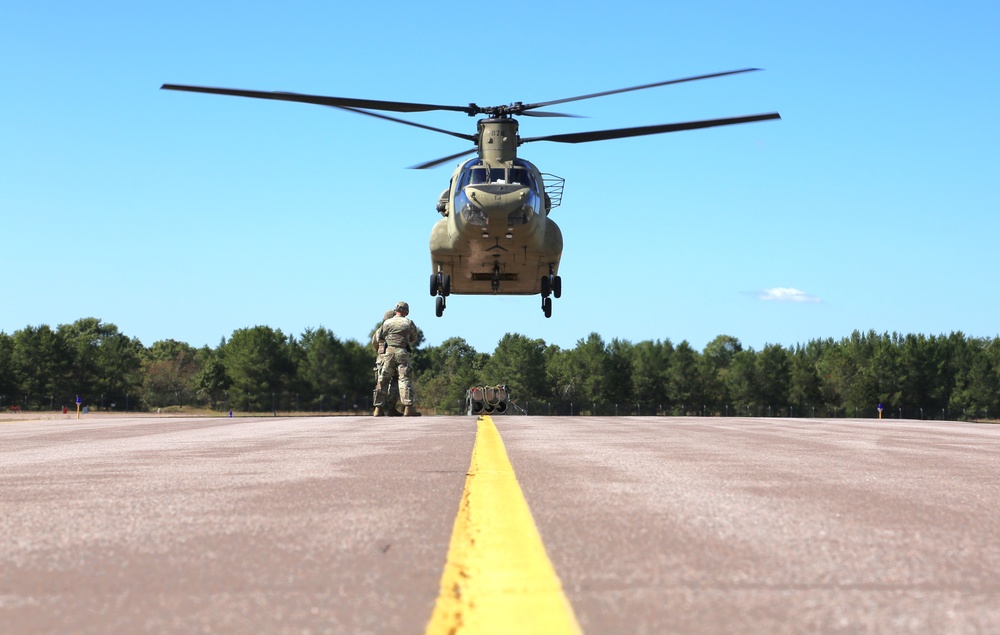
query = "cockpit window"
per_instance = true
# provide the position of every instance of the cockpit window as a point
(520, 176)
(479, 174)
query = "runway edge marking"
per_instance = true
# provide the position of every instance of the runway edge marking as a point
(497, 577)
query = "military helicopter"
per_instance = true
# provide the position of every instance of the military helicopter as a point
(496, 235)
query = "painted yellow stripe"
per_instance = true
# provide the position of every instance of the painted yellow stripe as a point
(498, 578)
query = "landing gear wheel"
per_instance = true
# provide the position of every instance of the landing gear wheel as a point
(439, 306)
(546, 287)
(547, 307)
(440, 284)
(557, 286)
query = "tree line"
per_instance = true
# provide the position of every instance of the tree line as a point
(261, 369)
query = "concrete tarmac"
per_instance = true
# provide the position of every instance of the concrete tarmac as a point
(653, 524)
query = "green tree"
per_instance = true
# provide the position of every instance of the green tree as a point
(8, 388)
(588, 363)
(323, 369)
(720, 351)
(804, 393)
(446, 373)
(977, 383)
(106, 364)
(773, 374)
(860, 385)
(212, 382)
(885, 369)
(120, 367)
(650, 364)
(986, 382)
(836, 372)
(258, 363)
(917, 360)
(618, 388)
(359, 375)
(519, 362)
(931, 365)
(561, 375)
(714, 369)
(170, 369)
(41, 364)
(741, 382)
(684, 380)
(83, 340)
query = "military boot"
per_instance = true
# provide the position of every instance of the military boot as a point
(410, 411)
(378, 411)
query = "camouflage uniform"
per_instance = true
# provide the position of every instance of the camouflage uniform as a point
(396, 337)
(393, 396)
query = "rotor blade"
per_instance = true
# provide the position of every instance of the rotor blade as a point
(625, 90)
(373, 104)
(467, 137)
(545, 113)
(437, 162)
(601, 135)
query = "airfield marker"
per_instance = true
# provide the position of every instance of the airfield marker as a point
(498, 578)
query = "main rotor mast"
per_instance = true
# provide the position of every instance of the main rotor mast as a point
(498, 139)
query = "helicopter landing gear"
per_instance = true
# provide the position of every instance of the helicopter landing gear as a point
(551, 285)
(440, 287)
(440, 284)
(495, 280)
(555, 282)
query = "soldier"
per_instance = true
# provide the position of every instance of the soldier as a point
(396, 337)
(393, 397)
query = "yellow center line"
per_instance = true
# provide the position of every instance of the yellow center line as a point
(498, 578)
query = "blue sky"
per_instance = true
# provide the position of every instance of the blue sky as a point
(871, 205)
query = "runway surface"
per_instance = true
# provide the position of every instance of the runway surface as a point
(652, 524)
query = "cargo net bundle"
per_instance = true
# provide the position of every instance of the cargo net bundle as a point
(488, 399)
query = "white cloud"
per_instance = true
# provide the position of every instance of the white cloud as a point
(786, 294)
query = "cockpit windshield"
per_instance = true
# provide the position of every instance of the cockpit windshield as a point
(481, 176)
(523, 205)
(519, 176)
(475, 173)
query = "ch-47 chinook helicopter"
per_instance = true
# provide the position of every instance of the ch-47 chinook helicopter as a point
(496, 235)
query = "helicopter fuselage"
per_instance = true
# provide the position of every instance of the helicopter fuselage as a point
(496, 236)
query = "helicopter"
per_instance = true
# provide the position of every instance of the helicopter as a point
(496, 236)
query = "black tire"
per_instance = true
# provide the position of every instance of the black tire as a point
(546, 288)
(445, 284)
(557, 286)
(434, 284)
(547, 307)
(439, 306)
